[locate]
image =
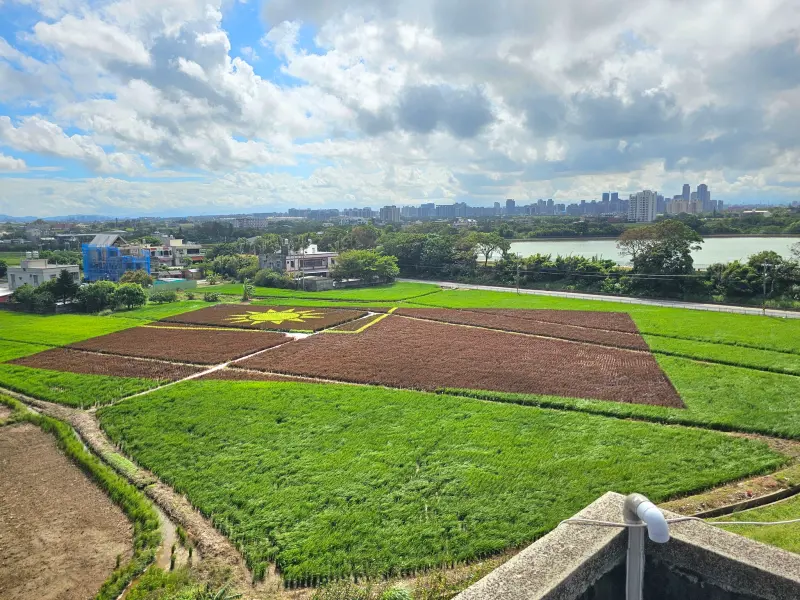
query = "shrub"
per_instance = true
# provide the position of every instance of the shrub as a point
(24, 295)
(270, 278)
(44, 302)
(96, 297)
(162, 296)
(130, 295)
(139, 276)
(211, 297)
(247, 290)
(396, 593)
(190, 295)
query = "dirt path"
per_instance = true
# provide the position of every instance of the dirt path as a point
(60, 534)
(210, 543)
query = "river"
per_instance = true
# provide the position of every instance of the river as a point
(714, 250)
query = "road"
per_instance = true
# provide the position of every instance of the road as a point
(744, 310)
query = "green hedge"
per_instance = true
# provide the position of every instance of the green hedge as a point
(146, 526)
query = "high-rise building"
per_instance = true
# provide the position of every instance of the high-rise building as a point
(390, 214)
(687, 191)
(606, 197)
(642, 207)
(427, 211)
(511, 207)
(661, 205)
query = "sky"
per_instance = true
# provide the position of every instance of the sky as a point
(176, 107)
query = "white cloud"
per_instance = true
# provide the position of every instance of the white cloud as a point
(92, 38)
(400, 101)
(9, 163)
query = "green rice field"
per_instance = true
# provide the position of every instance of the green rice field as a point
(332, 480)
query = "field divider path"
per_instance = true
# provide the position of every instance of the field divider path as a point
(208, 371)
(211, 544)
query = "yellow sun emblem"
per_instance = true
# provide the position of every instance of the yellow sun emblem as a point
(276, 317)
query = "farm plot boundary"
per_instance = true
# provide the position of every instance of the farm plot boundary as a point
(415, 354)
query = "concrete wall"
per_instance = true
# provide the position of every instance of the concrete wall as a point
(585, 562)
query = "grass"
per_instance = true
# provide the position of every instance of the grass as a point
(12, 350)
(58, 330)
(716, 397)
(379, 293)
(154, 312)
(72, 389)
(754, 331)
(333, 480)
(782, 536)
(767, 360)
(146, 526)
(12, 259)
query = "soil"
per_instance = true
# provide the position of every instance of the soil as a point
(198, 346)
(357, 324)
(522, 324)
(92, 363)
(5, 412)
(252, 317)
(60, 534)
(611, 321)
(409, 353)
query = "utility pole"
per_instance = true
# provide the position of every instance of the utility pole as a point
(517, 278)
(765, 266)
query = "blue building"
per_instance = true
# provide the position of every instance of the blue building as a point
(107, 257)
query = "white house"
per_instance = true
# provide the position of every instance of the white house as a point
(36, 271)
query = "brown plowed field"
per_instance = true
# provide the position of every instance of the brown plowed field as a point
(517, 324)
(406, 353)
(357, 324)
(91, 363)
(276, 318)
(59, 533)
(200, 346)
(234, 374)
(612, 321)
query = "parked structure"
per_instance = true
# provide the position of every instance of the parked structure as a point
(107, 257)
(35, 271)
(309, 261)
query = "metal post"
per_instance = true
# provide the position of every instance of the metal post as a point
(517, 278)
(634, 577)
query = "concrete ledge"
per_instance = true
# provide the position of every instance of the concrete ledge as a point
(564, 563)
(574, 562)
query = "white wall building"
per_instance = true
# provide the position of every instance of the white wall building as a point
(36, 271)
(642, 207)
